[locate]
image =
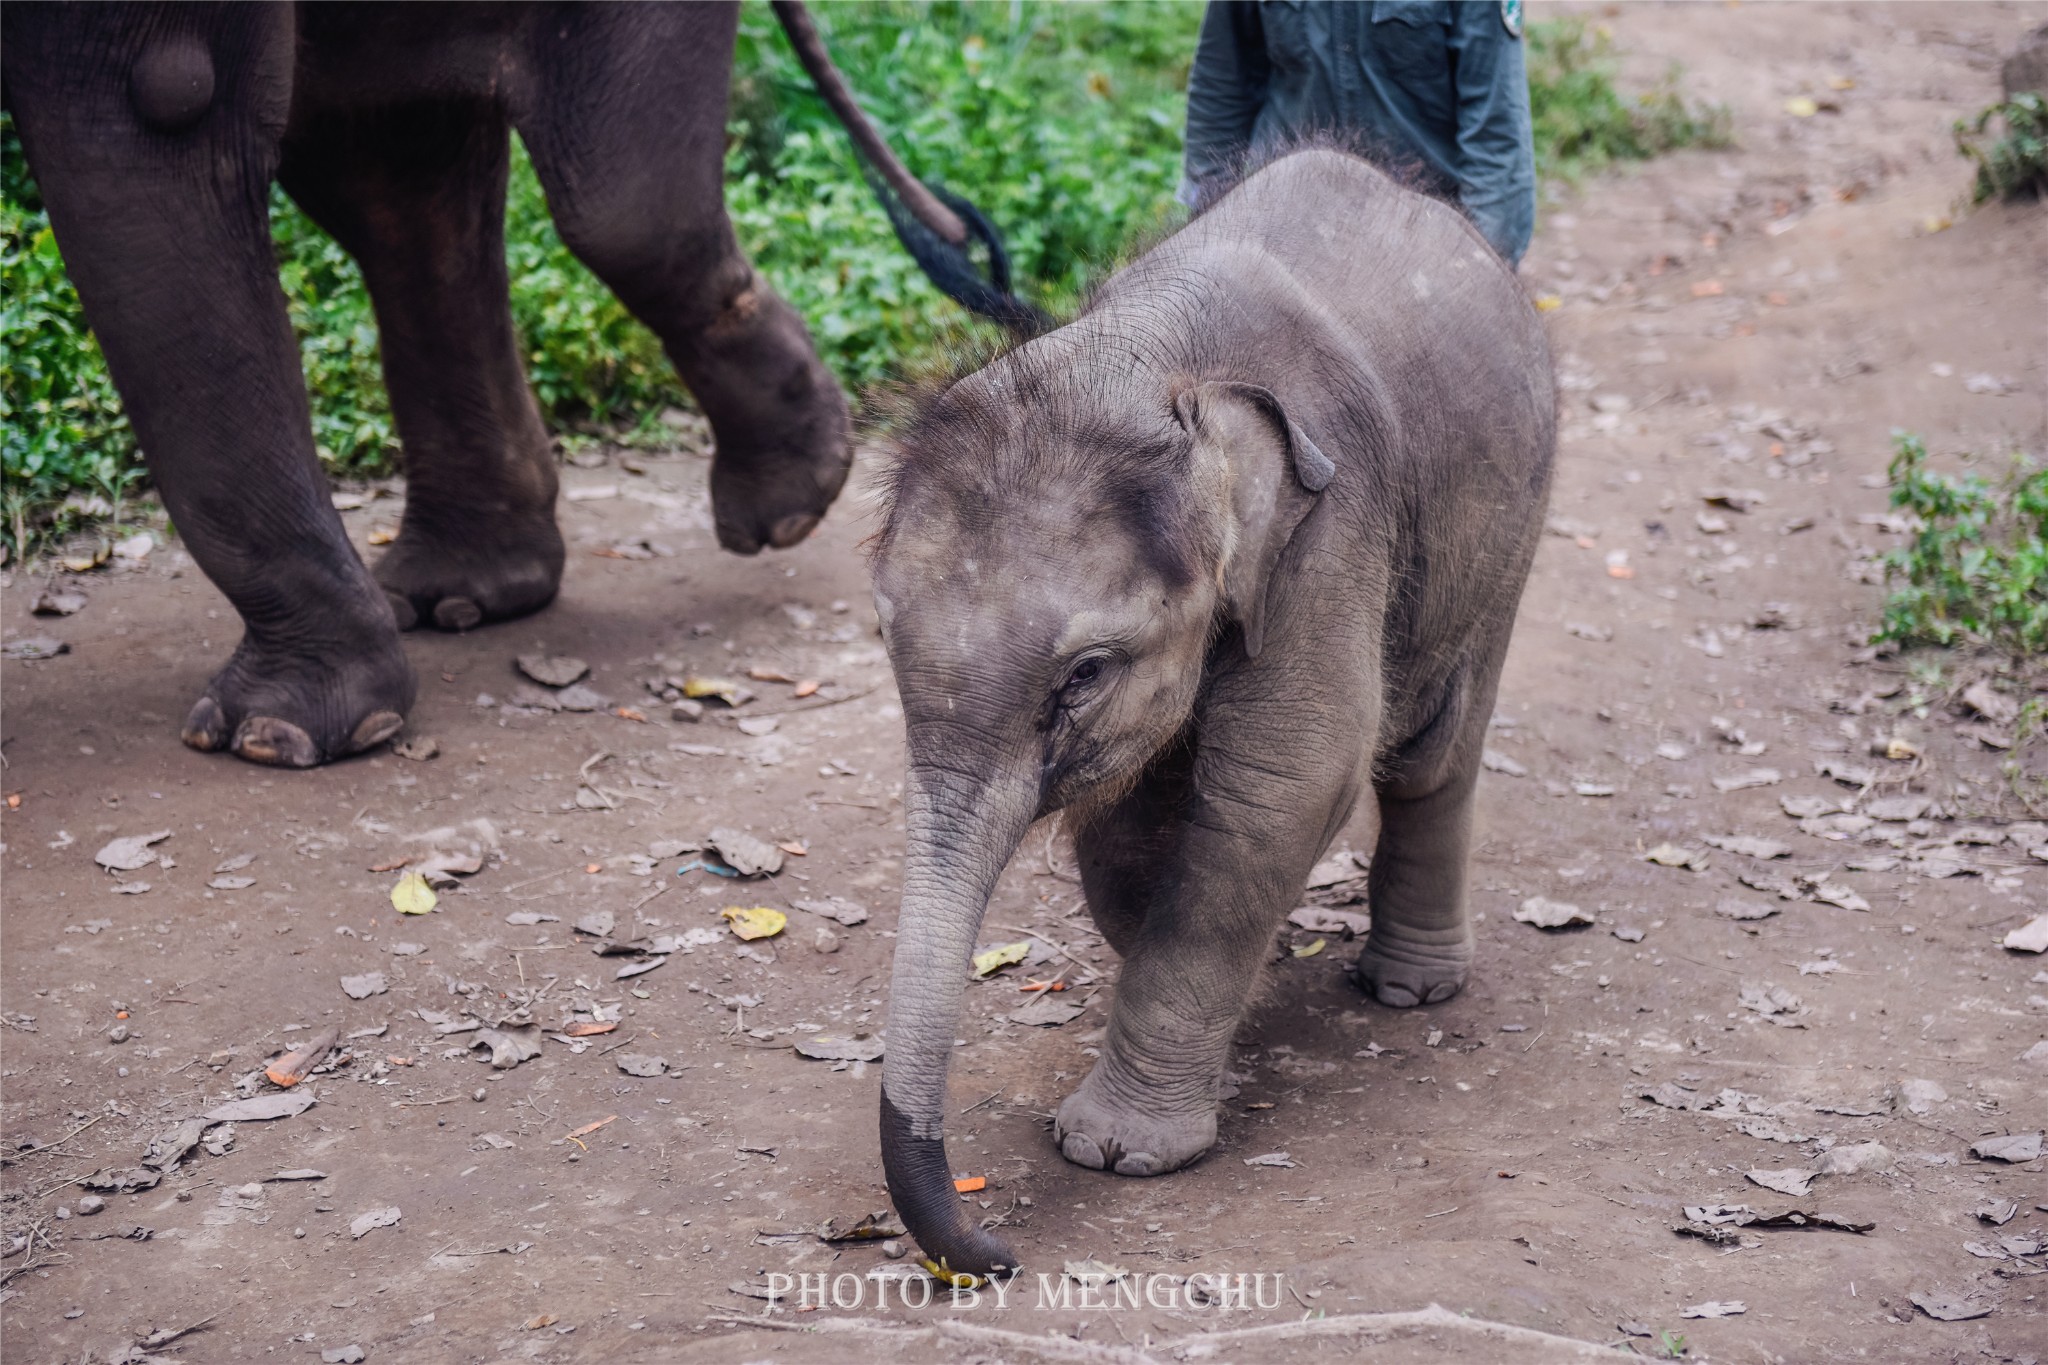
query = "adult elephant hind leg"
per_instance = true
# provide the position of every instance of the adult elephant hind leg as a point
(1420, 947)
(153, 136)
(416, 194)
(626, 124)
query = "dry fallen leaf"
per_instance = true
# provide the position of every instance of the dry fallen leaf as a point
(294, 1066)
(757, 922)
(987, 963)
(972, 1184)
(412, 895)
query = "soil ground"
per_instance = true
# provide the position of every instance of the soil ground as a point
(1757, 318)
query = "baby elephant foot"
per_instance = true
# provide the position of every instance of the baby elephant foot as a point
(1405, 974)
(460, 580)
(287, 710)
(1097, 1131)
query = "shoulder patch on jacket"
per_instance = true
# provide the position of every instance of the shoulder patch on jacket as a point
(1511, 17)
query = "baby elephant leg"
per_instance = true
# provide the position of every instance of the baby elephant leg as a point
(1420, 947)
(1237, 865)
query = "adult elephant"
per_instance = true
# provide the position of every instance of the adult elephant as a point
(155, 131)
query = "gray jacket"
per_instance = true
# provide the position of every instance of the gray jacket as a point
(1436, 81)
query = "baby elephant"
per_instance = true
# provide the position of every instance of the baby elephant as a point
(1241, 542)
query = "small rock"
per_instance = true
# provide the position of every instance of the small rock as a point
(1920, 1096)
(638, 1064)
(2031, 937)
(687, 710)
(582, 699)
(1550, 914)
(552, 670)
(1850, 1158)
(58, 602)
(118, 1034)
(90, 1205)
(893, 1249)
(344, 1355)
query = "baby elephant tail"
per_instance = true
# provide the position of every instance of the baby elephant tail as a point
(934, 225)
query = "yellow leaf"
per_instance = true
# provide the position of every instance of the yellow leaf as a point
(1841, 83)
(381, 535)
(1312, 949)
(1799, 106)
(1548, 303)
(412, 895)
(708, 687)
(945, 1274)
(988, 962)
(759, 922)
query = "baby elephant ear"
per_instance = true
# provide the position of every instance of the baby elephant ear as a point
(1259, 471)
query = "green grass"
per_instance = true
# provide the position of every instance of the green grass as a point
(1975, 571)
(1061, 121)
(1583, 122)
(2014, 163)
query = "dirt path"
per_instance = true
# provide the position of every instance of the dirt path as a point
(1757, 319)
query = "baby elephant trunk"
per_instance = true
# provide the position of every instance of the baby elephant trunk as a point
(961, 834)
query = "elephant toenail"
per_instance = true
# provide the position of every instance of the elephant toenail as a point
(1442, 991)
(1398, 997)
(277, 743)
(402, 610)
(1139, 1163)
(737, 539)
(374, 728)
(793, 529)
(206, 726)
(1080, 1149)
(457, 613)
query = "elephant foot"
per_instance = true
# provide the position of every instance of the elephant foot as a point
(293, 709)
(774, 503)
(1404, 974)
(1097, 1131)
(456, 581)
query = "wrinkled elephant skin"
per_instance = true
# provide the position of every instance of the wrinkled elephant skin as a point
(1240, 545)
(155, 132)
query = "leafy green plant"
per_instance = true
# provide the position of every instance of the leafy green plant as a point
(1975, 569)
(2014, 163)
(1582, 122)
(1061, 121)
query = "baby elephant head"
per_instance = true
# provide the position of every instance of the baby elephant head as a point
(1057, 566)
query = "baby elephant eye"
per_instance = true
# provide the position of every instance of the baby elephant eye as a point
(1084, 672)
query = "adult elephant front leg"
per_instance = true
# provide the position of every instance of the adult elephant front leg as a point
(417, 195)
(625, 118)
(153, 133)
